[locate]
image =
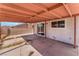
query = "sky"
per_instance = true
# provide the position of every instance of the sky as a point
(9, 23)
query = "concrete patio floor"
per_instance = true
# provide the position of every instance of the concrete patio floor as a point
(50, 47)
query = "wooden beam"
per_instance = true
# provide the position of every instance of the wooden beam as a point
(3, 15)
(48, 11)
(11, 5)
(58, 16)
(25, 9)
(12, 20)
(18, 7)
(7, 17)
(55, 6)
(67, 9)
(12, 16)
(21, 14)
(8, 14)
(67, 16)
(14, 12)
(16, 15)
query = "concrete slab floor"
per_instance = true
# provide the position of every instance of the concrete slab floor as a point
(50, 47)
(24, 50)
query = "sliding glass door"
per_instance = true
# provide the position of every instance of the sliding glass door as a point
(40, 29)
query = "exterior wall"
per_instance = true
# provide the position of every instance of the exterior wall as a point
(77, 30)
(62, 34)
(35, 28)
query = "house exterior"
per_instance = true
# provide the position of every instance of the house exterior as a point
(59, 21)
(64, 34)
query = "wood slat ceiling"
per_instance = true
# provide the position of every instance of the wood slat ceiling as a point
(36, 12)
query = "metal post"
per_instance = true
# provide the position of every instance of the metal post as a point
(33, 28)
(74, 31)
(45, 29)
(0, 37)
(0, 31)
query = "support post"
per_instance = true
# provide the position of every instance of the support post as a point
(74, 31)
(0, 31)
(33, 29)
(45, 29)
(0, 37)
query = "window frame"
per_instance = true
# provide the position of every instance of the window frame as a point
(58, 24)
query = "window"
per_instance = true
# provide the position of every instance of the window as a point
(54, 24)
(58, 24)
(61, 24)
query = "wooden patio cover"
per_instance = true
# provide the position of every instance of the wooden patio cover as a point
(36, 12)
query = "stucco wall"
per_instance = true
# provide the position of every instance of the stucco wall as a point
(77, 30)
(62, 34)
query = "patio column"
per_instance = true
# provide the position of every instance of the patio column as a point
(45, 29)
(0, 34)
(0, 30)
(33, 29)
(74, 31)
(0, 37)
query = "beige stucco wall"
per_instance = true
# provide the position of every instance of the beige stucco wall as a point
(77, 30)
(61, 34)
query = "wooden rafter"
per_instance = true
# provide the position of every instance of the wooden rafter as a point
(67, 9)
(14, 12)
(37, 15)
(19, 7)
(10, 19)
(54, 7)
(5, 19)
(14, 15)
(58, 16)
(3, 15)
(11, 15)
(48, 11)
(17, 17)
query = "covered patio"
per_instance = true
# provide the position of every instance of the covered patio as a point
(40, 46)
(60, 41)
(49, 47)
